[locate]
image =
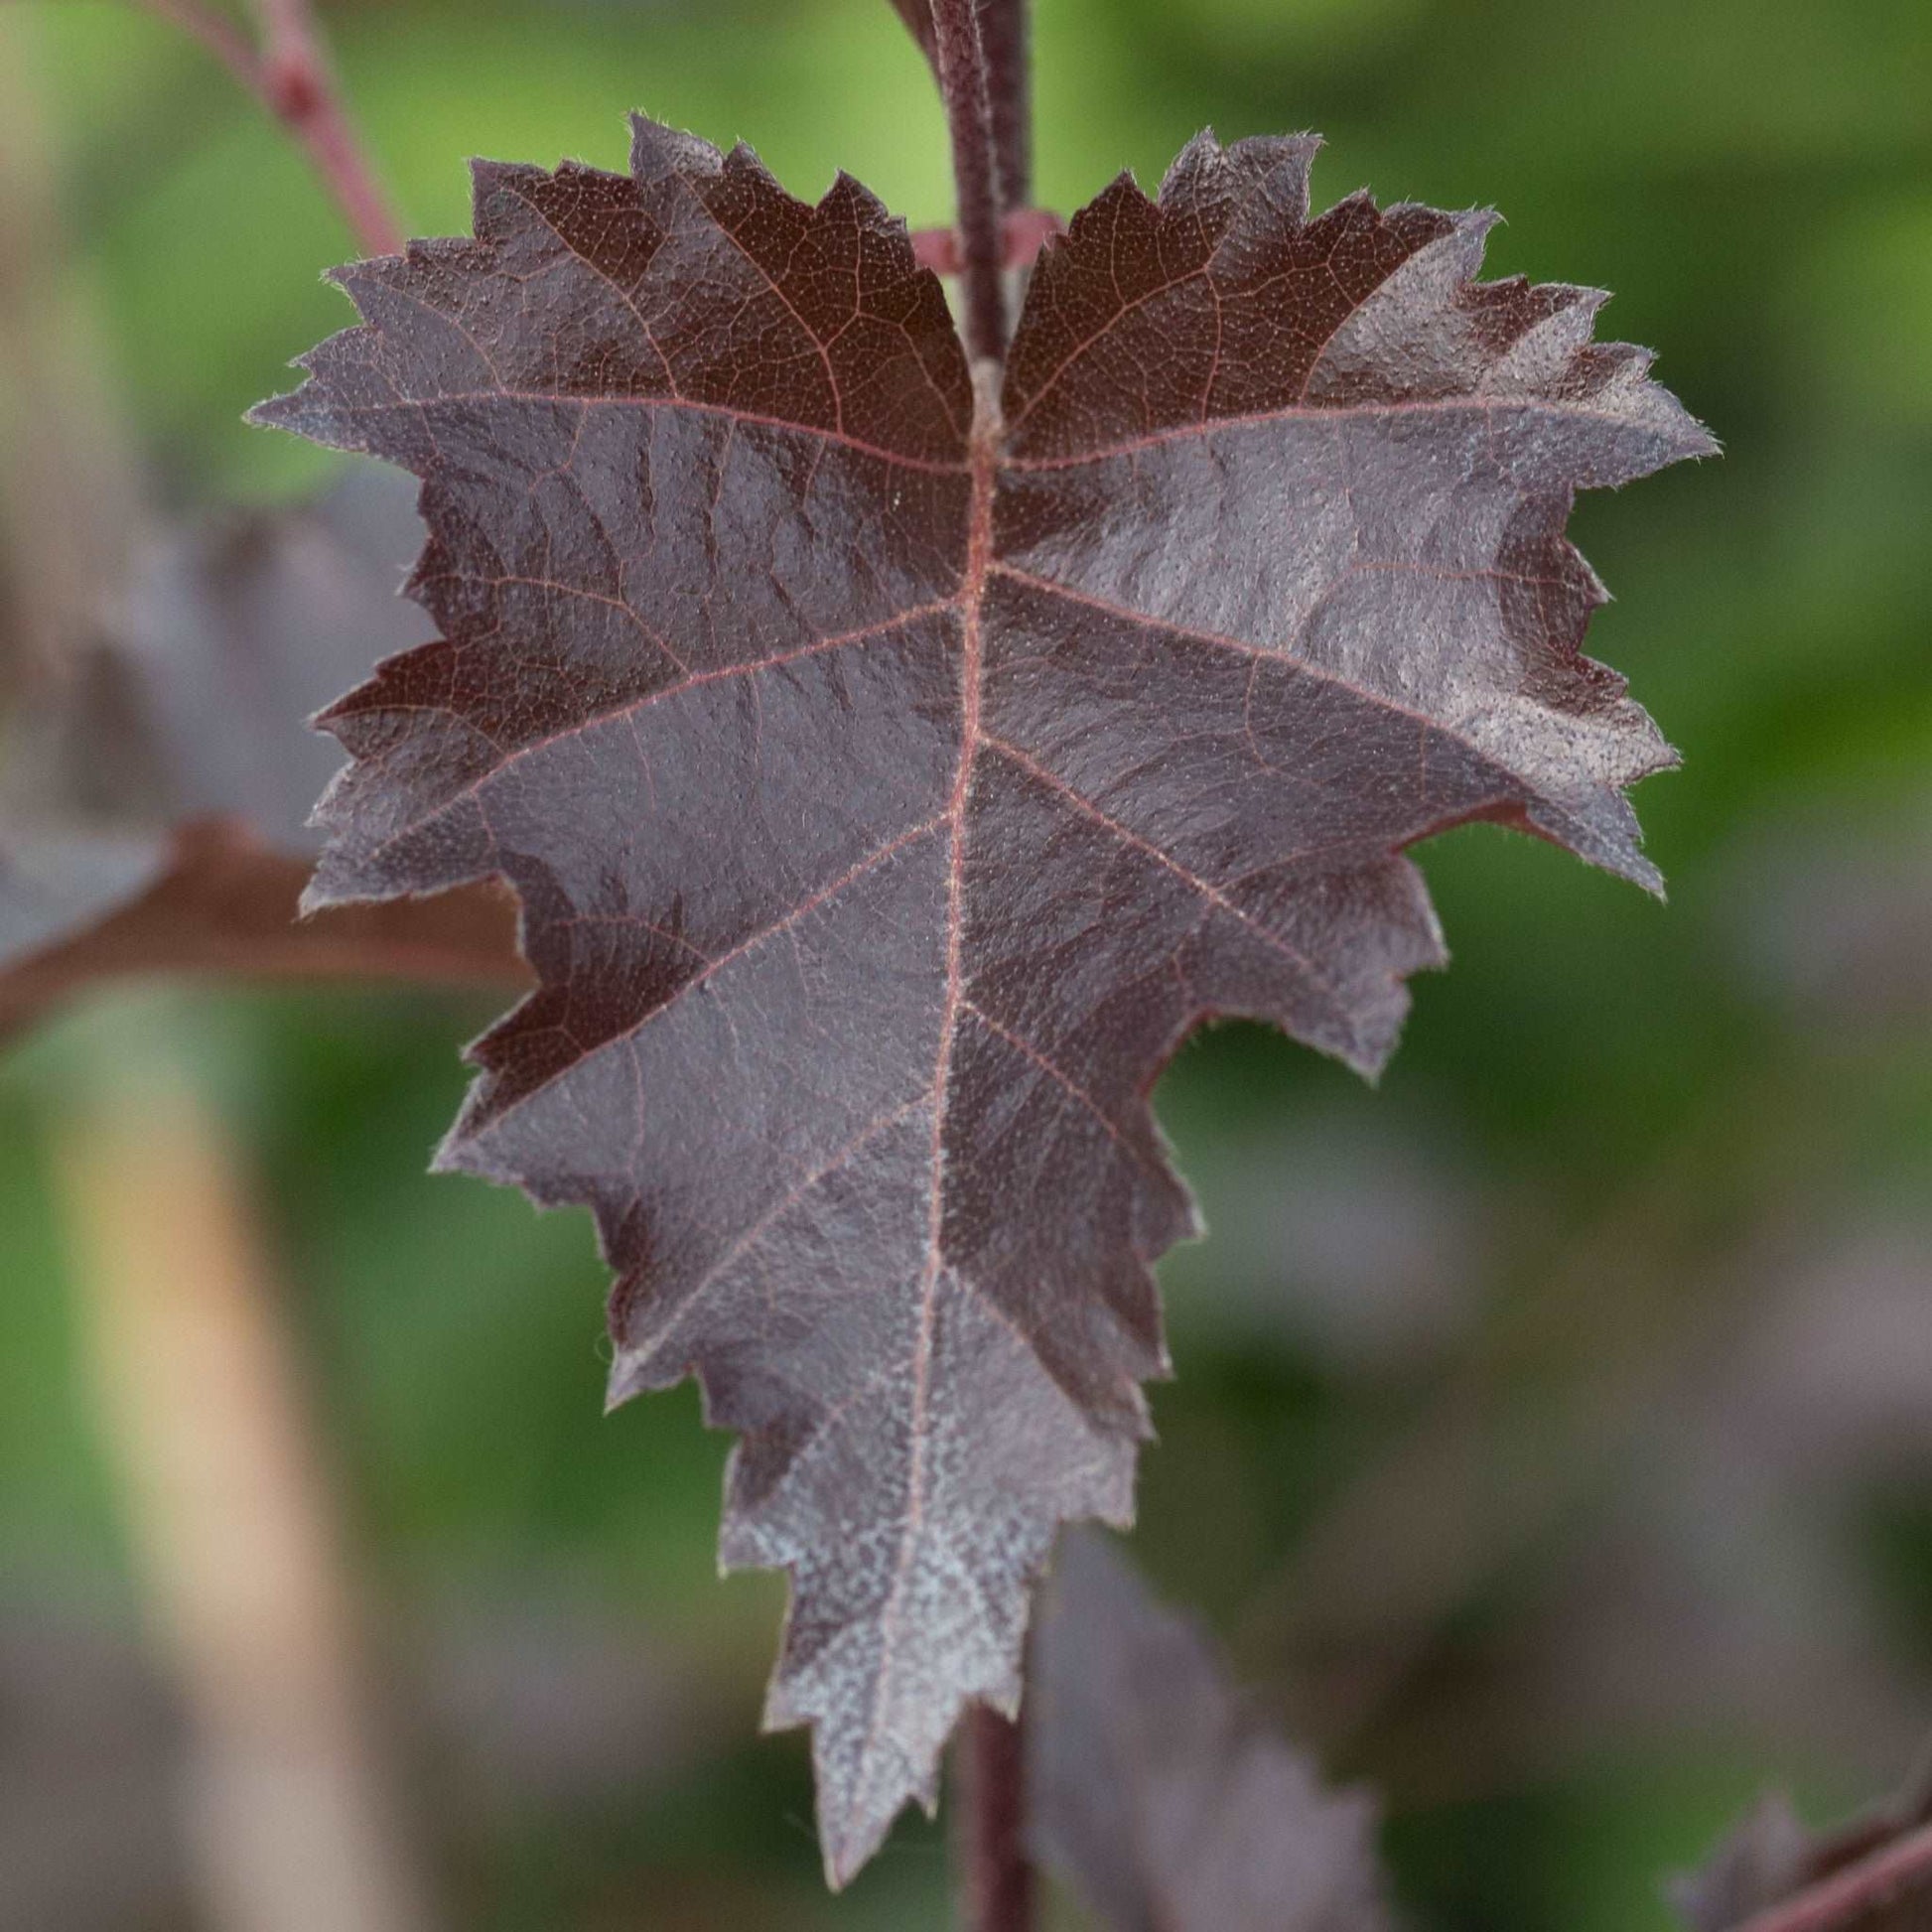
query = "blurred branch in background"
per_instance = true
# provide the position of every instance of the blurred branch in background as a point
(1890, 1892)
(292, 1825)
(288, 69)
(1769, 1873)
(222, 908)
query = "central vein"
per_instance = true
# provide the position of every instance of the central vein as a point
(972, 589)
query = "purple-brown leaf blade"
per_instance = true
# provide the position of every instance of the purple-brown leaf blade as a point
(1149, 1787)
(890, 792)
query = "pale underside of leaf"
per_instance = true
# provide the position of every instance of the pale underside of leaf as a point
(893, 774)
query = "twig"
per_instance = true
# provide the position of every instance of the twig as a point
(1005, 32)
(291, 75)
(1854, 1897)
(223, 907)
(997, 1880)
(961, 62)
(298, 86)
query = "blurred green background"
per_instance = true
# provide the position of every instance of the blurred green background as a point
(1551, 1436)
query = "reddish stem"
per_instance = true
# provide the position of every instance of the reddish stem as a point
(300, 87)
(961, 62)
(991, 1809)
(1005, 33)
(290, 74)
(1901, 1872)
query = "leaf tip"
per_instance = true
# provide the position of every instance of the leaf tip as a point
(449, 1158)
(1369, 1058)
(326, 887)
(484, 176)
(658, 151)
(625, 1380)
(1699, 440)
(1629, 863)
(275, 412)
(851, 1836)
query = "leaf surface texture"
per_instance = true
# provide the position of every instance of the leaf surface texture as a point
(895, 767)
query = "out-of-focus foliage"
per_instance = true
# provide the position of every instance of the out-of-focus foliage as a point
(1553, 1433)
(1158, 1795)
(155, 795)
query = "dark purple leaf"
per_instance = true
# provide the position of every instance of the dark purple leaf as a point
(1151, 1789)
(237, 634)
(193, 699)
(893, 776)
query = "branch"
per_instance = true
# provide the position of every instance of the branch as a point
(228, 908)
(961, 62)
(298, 86)
(291, 75)
(1896, 1876)
(996, 1879)
(1005, 32)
